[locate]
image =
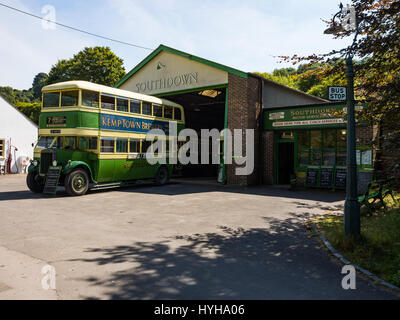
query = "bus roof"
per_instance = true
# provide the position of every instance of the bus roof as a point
(85, 85)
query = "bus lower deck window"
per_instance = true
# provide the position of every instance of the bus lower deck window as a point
(90, 99)
(107, 102)
(122, 104)
(146, 108)
(107, 145)
(145, 146)
(93, 143)
(87, 143)
(69, 98)
(122, 145)
(134, 146)
(70, 143)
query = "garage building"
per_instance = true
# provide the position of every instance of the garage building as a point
(217, 96)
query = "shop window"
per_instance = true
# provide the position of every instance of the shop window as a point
(122, 104)
(51, 100)
(107, 102)
(107, 145)
(90, 99)
(303, 142)
(134, 146)
(135, 106)
(69, 98)
(316, 139)
(146, 108)
(342, 139)
(329, 145)
(304, 158)
(122, 145)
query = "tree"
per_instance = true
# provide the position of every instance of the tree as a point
(38, 83)
(377, 74)
(98, 64)
(30, 109)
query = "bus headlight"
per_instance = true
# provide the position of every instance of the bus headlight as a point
(55, 163)
(35, 163)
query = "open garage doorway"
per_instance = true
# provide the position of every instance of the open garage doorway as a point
(204, 109)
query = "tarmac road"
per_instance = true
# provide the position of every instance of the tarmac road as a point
(179, 241)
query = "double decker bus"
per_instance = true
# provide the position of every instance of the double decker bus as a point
(96, 136)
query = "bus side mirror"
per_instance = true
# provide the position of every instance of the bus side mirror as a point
(33, 144)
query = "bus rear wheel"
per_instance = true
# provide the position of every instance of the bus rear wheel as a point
(77, 183)
(162, 176)
(33, 183)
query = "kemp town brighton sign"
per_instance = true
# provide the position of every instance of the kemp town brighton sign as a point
(180, 81)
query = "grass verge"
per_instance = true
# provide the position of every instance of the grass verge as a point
(378, 250)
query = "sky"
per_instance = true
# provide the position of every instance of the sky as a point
(246, 35)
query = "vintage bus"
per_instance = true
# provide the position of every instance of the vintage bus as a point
(96, 136)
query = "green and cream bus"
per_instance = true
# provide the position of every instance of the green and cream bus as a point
(96, 136)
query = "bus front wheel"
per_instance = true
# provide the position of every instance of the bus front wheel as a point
(162, 176)
(32, 180)
(77, 183)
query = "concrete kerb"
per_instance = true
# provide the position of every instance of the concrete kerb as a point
(347, 262)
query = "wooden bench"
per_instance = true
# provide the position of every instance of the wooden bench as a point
(377, 191)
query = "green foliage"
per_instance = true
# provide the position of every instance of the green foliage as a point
(31, 110)
(98, 64)
(38, 83)
(312, 79)
(378, 251)
(14, 95)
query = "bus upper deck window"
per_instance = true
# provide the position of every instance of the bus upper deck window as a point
(146, 108)
(51, 100)
(90, 99)
(122, 104)
(69, 98)
(168, 112)
(135, 106)
(157, 110)
(177, 114)
(107, 102)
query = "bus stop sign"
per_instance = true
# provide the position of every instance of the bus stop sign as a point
(337, 93)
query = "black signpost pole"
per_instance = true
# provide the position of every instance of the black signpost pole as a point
(352, 208)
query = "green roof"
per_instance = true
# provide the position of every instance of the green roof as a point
(162, 48)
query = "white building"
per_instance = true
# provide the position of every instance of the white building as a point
(20, 131)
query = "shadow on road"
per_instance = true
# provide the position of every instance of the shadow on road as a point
(281, 261)
(173, 189)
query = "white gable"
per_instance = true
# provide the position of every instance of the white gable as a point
(168, 72)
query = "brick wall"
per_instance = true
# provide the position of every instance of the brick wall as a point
(268, 157)
(244, 108)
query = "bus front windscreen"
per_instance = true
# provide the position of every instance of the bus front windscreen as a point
(49, 142)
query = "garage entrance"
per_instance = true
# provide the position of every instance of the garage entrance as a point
(204, 109)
